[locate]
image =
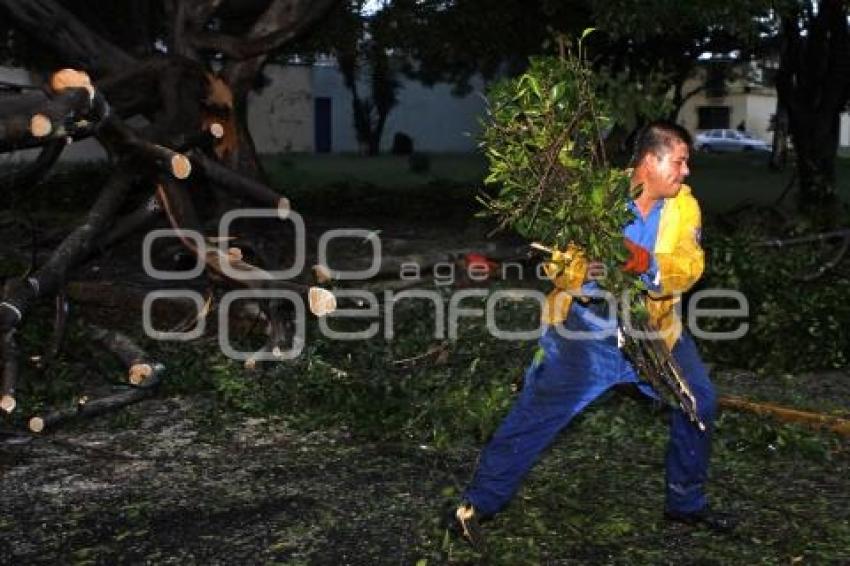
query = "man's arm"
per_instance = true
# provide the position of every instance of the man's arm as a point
(680, 265)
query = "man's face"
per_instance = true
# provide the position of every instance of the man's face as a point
(664, 174)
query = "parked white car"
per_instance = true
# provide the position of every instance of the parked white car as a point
(729, 140)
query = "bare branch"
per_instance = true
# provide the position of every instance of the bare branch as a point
(788, 415)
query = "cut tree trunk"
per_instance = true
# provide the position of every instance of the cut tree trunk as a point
(10, 354)
(137, 361)
(87, 408)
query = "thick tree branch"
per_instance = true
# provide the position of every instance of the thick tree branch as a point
(31, 121)
(53, 25)
(188, 18)
(120, 136)
(99, 406)
(48, 279)
(141, 217)
(31, 173)
(10, 356)
(282, 22)
(128, 90)
(138, 363)
(240, 185)
(60, 326)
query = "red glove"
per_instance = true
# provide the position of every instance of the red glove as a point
(638, 261)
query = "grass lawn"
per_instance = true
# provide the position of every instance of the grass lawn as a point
(358, 186)
(720, 181)
(314, 171)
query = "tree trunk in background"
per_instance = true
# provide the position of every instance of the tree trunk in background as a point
(816, 143)
(241, 77)
(814, 83)
(375, 136)
(779, 150)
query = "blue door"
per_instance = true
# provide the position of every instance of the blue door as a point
(323, 125)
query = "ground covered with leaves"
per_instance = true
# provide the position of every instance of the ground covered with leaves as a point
(354, 452)
(353, 455)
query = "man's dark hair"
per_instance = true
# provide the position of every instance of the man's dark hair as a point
(658, 137)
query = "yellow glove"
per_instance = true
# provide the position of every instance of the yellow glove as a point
(567, 269)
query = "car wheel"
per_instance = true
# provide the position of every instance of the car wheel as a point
(748, 148)
(706, 148)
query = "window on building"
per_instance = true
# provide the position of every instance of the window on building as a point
(322, 125)
(713, 117)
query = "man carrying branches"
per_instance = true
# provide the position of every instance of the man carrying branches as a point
(570, 370)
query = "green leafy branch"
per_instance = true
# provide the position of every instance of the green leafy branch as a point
(544, 140)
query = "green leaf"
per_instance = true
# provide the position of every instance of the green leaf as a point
(587, 32)
(557, 92)
(598, 194)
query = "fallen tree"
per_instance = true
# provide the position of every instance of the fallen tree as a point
(183, 70)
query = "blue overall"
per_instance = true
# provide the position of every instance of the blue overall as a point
(571, 374)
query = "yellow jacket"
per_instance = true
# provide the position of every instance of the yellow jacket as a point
(678, 255)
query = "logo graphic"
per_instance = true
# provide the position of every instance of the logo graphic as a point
(450, 302)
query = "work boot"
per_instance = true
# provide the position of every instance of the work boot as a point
(467, 521)
(705, 517)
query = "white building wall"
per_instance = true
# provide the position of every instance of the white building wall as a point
(280, 116)
(328, 83)
(755, 108)
(760, 108)
(738, 104)
(688, 113)
(435, 119)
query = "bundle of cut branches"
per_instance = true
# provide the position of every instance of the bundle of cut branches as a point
(545, 143)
